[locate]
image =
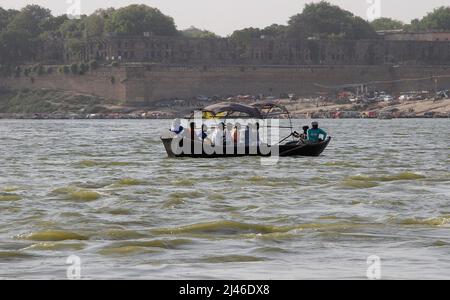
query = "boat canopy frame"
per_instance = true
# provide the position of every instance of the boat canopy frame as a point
(267, 109)
(258, 110)
(229, 108)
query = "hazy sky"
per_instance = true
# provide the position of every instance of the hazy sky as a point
(225, 16)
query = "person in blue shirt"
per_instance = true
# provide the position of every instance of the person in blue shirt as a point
(203, 134)
(315, 132)
(176, 127)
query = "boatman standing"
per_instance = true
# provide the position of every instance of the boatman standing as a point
(315, 132)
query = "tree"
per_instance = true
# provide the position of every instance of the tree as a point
(325, 20)
(5, 17)
(137, 19)
(15, 47)
(75, 45)
(415, 26)
(74, 69)
(361, 29)
(54, 23)
(439, 19)
(387, 24)
(95, 23)
(245, 35)
(275, 31)
(30, 19)
(72, 28)
(193, 32)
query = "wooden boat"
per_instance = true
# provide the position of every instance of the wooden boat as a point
(186, 145)
(174, 148)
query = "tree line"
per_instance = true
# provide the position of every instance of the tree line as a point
(324, 20)
(23, 31)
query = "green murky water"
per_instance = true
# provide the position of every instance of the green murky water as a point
(105, 191)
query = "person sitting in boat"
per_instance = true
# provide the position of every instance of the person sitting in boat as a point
(191, 132)
(235, 134)
(304, 135)
(219, 135)
(247, 135)
(203, 134)
(177, 128)
(315, 132)
(253, 138)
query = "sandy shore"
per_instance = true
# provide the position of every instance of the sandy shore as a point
(410, 108)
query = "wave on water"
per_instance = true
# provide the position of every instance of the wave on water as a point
(5, 255)
(273, 236)
(271, 250)
(172, 203)
(9, 197)
(231, 259)
(246, 230)
(434, 222)
(358, 184)
(257, 179)
(184, 182)
(184, 195)
(9, 189)
(102, 164)
(439, 243)
(343, 164)
(48, 246)
(79, 194)
(93, 184)
(119, 234)
(116, 211)
(123, 248)
(272, 181)
(220, 227)
(365, 181)
(131, 181)
(396, 177)
(216, 196)
(52, 236)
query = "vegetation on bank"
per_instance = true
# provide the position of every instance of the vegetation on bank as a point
(38, 69)
(25, 32)
(50, 101)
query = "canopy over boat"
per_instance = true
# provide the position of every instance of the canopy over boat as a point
(226, 109)
(271, 108)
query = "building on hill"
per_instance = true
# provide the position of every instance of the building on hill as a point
(222, 51)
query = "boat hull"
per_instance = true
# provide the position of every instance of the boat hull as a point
(174, 148)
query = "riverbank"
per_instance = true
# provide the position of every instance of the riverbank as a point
(54, 104)
(395, 109)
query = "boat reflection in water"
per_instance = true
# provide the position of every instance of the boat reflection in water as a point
(260, 137)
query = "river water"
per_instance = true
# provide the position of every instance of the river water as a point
(106, 192)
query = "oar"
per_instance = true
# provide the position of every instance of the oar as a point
(285, 139)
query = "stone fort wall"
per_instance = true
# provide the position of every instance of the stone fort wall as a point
(144, 84)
